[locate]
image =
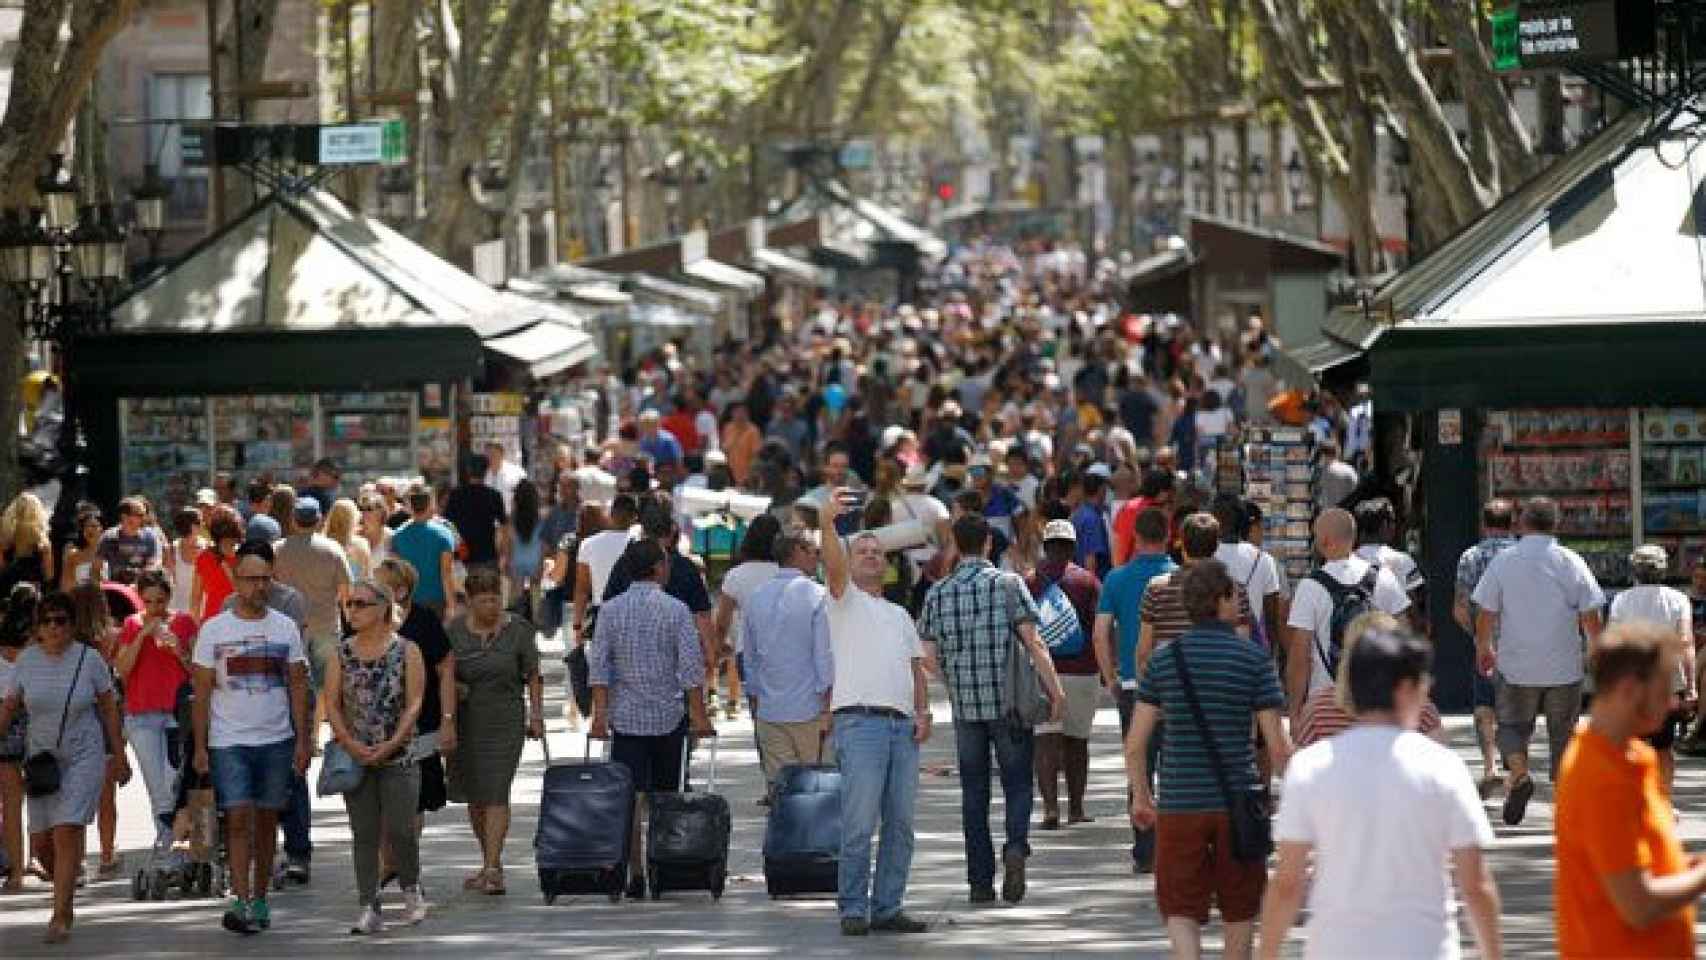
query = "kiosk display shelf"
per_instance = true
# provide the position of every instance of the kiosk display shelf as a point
(1673, 491)
(272, 435)
(1277, 476)
(166, 455)
(1582, 458)
(370, 435)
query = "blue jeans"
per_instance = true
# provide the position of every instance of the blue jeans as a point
(257, 776)
(1142, 841)
(1013, 753)
(298, 814)
(879, 777)
(150, 736)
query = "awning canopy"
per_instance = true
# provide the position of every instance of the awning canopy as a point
(780, 265)
(724, 275)
(1588, 291)
(888, 224)
(1158, 267)
(546, 348)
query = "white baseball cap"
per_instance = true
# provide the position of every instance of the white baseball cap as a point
(1059, 530)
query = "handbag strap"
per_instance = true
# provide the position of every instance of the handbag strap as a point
(65, 714)
(1202, 723)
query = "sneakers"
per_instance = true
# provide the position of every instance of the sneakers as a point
(1013, 883)
(855, 926)
(237, 918)
(291, 872)
(983, 893)
(899, 923)
(369, 922)
(414, 906)
(1516, 803)
(260, 913)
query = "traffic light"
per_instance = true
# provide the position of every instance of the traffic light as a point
(945, 191)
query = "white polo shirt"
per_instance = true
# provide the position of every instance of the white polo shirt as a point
(1540, 588)
(1255, 570)
(874, 643)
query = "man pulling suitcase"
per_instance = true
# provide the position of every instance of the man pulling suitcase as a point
(647, 671)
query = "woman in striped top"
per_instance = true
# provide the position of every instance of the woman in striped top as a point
(1328, 711)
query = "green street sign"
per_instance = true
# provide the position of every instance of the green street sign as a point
(393, 142)
(1507, 39)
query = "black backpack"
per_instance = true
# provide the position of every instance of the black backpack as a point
(1350, 600)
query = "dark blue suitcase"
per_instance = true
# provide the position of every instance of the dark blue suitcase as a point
(802, 839)
(687, 838)
(586, 816)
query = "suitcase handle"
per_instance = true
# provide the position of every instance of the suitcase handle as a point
(687, 751)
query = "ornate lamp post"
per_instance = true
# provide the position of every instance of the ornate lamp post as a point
(65, 264)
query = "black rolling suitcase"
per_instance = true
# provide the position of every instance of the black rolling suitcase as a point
(586, 815)
(802, 840)
(687, 841)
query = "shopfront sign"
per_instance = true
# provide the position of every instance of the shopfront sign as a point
(348, 144)
(1450, 427)
(1551, 33)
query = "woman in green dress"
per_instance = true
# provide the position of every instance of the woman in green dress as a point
(496, 659)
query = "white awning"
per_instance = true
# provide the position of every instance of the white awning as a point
(779, 264)
(545, 348)
(723, 275)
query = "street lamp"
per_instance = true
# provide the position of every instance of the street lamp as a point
(1258, 177)
(65, 265)
(1198, 180)
(1297, 182)
(149, 202)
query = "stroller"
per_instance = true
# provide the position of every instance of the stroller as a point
(200, 869)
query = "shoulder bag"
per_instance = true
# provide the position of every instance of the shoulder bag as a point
(1248, 811)
(41, 769)
(1023, 702)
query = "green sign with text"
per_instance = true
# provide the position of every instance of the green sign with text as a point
(1507, 40)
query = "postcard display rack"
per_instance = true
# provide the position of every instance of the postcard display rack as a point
(173, 445)
(1277, 476)
(1583, 459)
(1672, 495)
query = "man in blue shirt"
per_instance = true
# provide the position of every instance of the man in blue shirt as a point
(1122, 599)
(1095, 545)
(658, 443)
(430, 548)
(789, 669)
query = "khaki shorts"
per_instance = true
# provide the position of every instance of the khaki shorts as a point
(1083, 696)
(783, 743)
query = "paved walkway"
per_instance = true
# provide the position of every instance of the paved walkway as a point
(1083, 898)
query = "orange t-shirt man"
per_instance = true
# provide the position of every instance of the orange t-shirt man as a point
(1612, 817)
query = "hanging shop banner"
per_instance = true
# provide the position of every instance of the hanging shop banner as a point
(1552, 33)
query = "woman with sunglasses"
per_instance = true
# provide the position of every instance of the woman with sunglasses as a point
(68, 692)
(17, 625)
(373, 689)
(153, 661)
(373, 527)
(496, 659)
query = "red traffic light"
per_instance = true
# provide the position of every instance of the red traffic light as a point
(945, 191)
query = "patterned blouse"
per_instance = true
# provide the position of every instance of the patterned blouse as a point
(374, 694)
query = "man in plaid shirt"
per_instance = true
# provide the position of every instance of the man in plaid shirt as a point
(647, 673)
(1497, 519)
(971, 619)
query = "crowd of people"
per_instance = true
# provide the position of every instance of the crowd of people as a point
(1010, 492)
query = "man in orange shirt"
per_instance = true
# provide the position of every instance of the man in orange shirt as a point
(741, 441)
(1624, 888)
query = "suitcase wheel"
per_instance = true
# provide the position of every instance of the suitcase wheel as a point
(719, 874)
(616, 885)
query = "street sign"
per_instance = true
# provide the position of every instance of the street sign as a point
(857, 154)
(1553, 33)
(347, 144)
(393, 142)
(1507, 44)
(192, 145)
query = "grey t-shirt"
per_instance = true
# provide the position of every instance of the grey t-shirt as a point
(44, 681)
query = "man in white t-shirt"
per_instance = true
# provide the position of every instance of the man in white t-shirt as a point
(880, 705)
(596, 559)
(1250, 566)
(1652, 601)
(252, 728)
(1377, 523)
(1310, 645)
(1382, 809)
(502, 475)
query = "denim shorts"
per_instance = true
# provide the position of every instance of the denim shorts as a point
(253, 776)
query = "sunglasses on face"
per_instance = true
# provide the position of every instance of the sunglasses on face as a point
(362, 604)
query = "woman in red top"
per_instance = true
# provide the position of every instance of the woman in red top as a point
(212, 581)
(152, 659)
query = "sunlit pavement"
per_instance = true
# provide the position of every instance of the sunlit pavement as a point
(1083, 898)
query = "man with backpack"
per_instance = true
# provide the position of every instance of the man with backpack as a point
(1066, 596)
(1345, 587)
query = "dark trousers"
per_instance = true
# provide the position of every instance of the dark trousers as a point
(1142, 841)
(298, 814)
(1013, 753)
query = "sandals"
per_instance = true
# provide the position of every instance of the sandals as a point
(475, 881)
(494, 884)
(108, 869)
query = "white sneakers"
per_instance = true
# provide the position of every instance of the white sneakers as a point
(369, 922)
(414, 906)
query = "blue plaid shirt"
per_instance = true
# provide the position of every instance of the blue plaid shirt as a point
(646, 651)
(972, 616)
(1474, 562)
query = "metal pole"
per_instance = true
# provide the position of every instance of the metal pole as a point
(556, 142)
(216, 170)
(627, 223)
(352, 180)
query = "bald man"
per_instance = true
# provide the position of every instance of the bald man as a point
(1312, 649)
